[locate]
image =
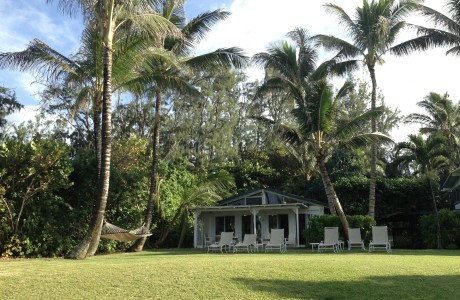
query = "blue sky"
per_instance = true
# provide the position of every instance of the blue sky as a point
(252, 26)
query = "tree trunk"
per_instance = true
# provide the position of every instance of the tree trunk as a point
(332, 196)
(94, 243)
(373, 173)
(436, 216)
(94, 231)
(168, 228)
(183, 231)
(151, 201)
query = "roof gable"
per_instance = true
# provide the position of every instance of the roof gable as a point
(270, 197)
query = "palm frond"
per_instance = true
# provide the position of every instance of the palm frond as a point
(195, 31)
(367, 139)
(224, 57)
(39, 58)
(348, 129)
(346, 49)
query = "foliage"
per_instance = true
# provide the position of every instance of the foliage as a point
(315, 231)
(32, 170)
(8, 104)
(450, 229)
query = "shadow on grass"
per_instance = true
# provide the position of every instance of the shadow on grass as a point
(376, 287)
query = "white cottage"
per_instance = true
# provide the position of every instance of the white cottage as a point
(256, 211)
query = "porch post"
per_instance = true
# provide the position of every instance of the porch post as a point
(195, 229)
(254, 222)
(297, 225)
(296, 211)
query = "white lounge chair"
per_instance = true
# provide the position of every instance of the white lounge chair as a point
(276, 241)
(290, 241)
(226, 240)
(354, 238)
(380, 239)
(207, 240)
(249, 243)
(331, 239)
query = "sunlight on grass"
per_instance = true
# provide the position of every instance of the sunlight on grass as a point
(193, 274)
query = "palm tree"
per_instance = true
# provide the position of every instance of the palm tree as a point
(317, 129)
(373, 30)
(431, 157)
(446, 32)
(202, 192)
(109, 17)
(157, 79)
(442, 118)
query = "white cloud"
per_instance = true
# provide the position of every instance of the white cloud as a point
(27, 113)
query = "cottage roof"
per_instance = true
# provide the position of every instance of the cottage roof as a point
(287, 197)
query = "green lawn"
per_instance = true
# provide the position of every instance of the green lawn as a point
(194, 274)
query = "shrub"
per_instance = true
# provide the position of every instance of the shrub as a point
(315, 231)
(450, 229)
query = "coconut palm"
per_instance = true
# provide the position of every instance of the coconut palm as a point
(442, 117)
(446, 32)
(109, 17)
(317, 129)
(156, 79)
(430, 157)
(373, 30)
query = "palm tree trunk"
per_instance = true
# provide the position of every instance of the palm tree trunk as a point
(97, 101)
(436, 216)
(94, 231)
(332, 196)
(139, 244)
(183, 231)
(168, 228)
(373, 173)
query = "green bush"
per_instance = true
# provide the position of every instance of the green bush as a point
(450, 229)
(315, 232)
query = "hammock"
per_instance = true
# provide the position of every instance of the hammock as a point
(110, 231)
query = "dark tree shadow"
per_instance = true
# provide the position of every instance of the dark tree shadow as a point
(376, 287)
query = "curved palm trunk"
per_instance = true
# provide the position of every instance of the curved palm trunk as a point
(373, 173)
(94, 231)
(334, 203)
(94, 243)
(183, 231)
(139, 244)
(436, 216)
(168, 228)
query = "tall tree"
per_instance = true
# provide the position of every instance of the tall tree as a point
(430, 157)
(446, 32)
(108, 17)
(317, 130)
(442, 118)
(157, 79)
(373, 31)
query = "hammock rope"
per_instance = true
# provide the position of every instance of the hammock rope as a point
(110, 231)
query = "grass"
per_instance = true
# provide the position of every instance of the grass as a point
(194, 274)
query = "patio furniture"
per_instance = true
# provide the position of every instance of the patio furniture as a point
(313, 246)
(380, 239)
(276, 241)
(207, 240)
(290, 241)
(354, 238)
(249, 243)
(331, 239)
(226, 239)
